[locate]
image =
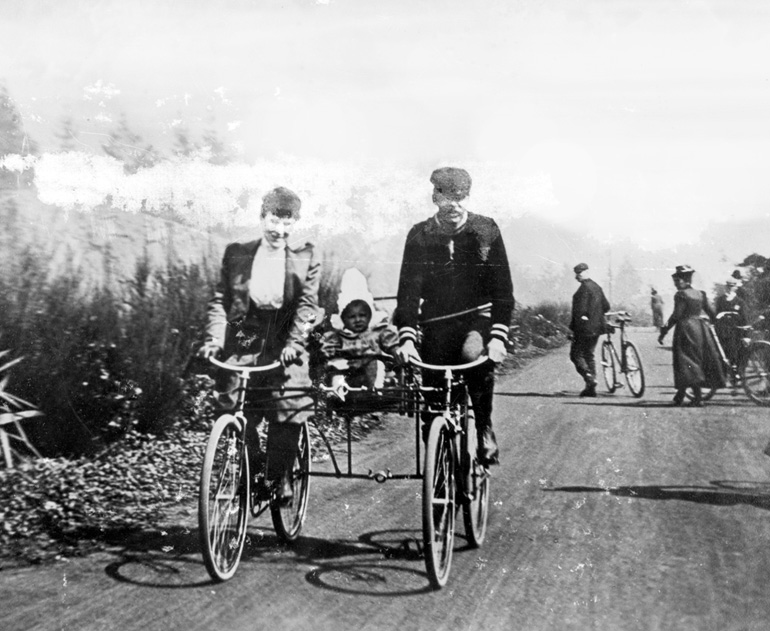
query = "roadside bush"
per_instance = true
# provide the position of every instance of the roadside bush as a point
(543, 326)
(99, 361)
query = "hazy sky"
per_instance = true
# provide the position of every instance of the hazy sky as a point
(647, 119)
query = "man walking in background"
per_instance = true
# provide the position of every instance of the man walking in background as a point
(588, 308)
(454, 262)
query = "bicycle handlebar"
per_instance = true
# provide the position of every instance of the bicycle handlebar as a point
(245, 369)
(476, 362)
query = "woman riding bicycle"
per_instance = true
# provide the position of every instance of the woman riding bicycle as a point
(264, 306)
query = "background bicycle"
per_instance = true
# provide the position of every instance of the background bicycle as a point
(751, 369)
(627, 362)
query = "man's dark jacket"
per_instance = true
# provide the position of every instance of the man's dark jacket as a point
(588, 308)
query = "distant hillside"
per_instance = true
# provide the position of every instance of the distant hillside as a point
(104, 244)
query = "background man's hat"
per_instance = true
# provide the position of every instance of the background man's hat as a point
(683, 271)
(452, 182)
(580, 267)
(281, 200)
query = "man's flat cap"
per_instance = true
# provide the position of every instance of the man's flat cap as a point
(452, 182)
(580, 267)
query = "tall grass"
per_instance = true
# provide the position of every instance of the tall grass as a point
(99, 361)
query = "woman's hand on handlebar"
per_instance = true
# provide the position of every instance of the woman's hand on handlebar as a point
(209, 349)
(407, 351)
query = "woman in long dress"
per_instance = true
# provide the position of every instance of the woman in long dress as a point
(697, 362)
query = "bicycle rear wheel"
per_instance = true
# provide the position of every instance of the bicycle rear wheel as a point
(755, 373)
(609, 366)
(288, 518)
(634, 370)
(223, 500)
(438, 503)
(476, 485)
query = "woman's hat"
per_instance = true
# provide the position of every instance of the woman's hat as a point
(731, 282)
(683, 271)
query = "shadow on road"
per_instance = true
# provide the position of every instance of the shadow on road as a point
(720, 493)
(171, 559)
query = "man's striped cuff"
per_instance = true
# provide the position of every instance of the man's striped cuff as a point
(500, 331)
(407, 334)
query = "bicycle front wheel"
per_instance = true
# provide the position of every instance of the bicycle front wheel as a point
(438, 503)
(755, 373)
(609, 366)
(288, 518)
(634, 369)
(476, 486)
(223, 500)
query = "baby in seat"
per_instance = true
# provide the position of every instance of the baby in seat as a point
(351, 352)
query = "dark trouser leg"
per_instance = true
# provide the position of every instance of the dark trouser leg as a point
(582, 354)
(464, 341)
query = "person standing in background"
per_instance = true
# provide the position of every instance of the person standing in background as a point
(589, 304)
(656, 305)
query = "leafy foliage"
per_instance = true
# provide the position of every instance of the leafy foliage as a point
(100, 361)
(55, 506)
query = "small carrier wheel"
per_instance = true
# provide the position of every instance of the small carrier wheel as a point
(288, 518)
(476, 486)
(439, 502)
(609, 366)
(634, 369)
(755, 373)
(223, 501)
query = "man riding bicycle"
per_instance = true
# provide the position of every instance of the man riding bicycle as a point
(454, 262)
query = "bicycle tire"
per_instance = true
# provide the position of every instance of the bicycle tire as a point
(438, 503)
(223, 499)
(755, 372)
(609, 366)
(288, 518)
(475, 485)
(634, 371)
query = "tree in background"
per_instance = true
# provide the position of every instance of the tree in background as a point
(627, 288)
(67, 135)
(129, 148)
(13, 140)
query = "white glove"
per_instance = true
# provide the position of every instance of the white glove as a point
(407, 350)
(496, 350)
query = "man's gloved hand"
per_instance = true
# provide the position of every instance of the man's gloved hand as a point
(209, 349)
(496, 350)
(407, 351)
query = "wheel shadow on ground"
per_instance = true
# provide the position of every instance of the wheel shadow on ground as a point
(377, 563)
(720, 493)
(550, 395)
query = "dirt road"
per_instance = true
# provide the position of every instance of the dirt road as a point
(611, 514)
